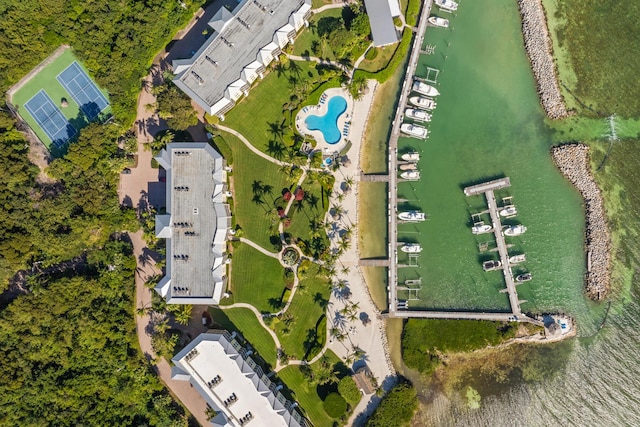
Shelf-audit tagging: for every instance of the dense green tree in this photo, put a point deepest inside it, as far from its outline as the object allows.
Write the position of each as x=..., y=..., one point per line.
x=396, y=408
x=175, y=107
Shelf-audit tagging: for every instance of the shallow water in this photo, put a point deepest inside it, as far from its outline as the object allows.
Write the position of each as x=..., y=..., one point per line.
x=489, y=123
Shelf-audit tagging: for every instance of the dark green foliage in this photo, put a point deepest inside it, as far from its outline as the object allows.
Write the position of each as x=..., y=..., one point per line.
x=396, y=408
x=397, y=58
x=360, y=25
x=411, y=14
x=423, y=339
x=115, y=40
x=175, y=107
x=70, y=353
x=334, y=405
x=349, y=390
x=601, y=38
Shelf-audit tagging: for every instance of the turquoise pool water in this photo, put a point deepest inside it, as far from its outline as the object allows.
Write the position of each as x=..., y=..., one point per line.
x=328, y=123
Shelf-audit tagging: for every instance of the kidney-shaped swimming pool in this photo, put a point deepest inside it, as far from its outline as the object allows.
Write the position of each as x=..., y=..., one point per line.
x=328, y=123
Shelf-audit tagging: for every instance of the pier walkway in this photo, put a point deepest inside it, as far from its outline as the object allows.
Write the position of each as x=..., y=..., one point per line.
x=459, y=315
x=393, y=151
x=487, y=188
x=372, y=177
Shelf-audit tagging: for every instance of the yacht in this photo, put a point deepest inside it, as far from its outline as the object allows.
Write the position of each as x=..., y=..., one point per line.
x=436, y=21
x=416, y=114
x=448, y=5
x=480, y=228
x=412, y=175
x=491, y=265
x=412, y=157
x=515, y=230
x=425, y=89
x=424, y=103
x=411, y=248
x=413, y=216
x=414, y=130
x=508, y=211
x=524, y=277
x=517, y=259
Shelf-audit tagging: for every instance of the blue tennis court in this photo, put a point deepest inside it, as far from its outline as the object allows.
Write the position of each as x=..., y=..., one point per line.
x=50, y=118
x=83, y=90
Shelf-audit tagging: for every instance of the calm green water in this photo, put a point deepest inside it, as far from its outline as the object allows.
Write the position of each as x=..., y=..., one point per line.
x=488, y=124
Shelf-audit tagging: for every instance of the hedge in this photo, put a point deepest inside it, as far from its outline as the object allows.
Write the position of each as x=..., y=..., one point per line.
x=349, y=390
x=396, y=408
x=334, y=405
x=395, y=61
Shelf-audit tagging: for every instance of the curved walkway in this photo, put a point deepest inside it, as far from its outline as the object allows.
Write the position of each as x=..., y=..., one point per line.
x=330, y=6
x=319, y=61
x=259, y=248
x=251, y=146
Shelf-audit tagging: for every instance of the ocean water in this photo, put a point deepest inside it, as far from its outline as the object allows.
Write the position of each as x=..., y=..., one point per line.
x=489, y=124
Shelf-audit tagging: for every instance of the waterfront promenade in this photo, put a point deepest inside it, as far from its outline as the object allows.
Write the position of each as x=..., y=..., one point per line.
x=393, y=152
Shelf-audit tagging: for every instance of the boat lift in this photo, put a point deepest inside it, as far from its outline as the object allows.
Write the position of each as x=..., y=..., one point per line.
x=432, y=75
x=507, y=202
x=412, y=286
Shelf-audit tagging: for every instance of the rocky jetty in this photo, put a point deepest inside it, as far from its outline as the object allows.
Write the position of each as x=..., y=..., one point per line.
x=573, y=162
x=539, y=49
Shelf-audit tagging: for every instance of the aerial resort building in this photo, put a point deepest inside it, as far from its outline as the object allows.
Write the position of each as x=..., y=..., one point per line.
x=232, y=384
x=245, y=41
x=195, y=225
x=381, y=14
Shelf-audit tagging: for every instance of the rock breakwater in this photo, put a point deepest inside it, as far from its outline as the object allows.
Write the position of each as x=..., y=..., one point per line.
x=573, y=162
x=539, y=49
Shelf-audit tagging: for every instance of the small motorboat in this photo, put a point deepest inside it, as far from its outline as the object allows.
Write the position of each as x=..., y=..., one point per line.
x=412, y=175
x=480, y=228
x=424, y=103
x=412, y=157
x=425, y=89
x=524, y=277
x=416, y=114
x=436, y=21
x=517, y=259
x=414, y=130
x=408, y=167
x=508, y=211
x=448, y=5
x=491, y=265
x=412, y=216
x=411, y=248
x=515, y=230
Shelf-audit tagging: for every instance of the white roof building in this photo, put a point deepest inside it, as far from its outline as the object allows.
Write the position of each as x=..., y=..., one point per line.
x=255, y=31
x=381, y=13
x=195, y=225
x=232, y=384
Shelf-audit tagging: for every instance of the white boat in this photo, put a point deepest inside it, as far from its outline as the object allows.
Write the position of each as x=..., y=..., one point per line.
x=480, y=228
x=436, y=21
x=411, y=157
x=516, y=259
x=524, y=277
x=515, y=230
x=414, y=216
x=408, y=167
x=413, y=175
x=414, y=130
x=508, y=211
x=449, y=5
x=425, y=89
x=411, y=248
x=416, y=114
x=491, y=265
x=424, y=103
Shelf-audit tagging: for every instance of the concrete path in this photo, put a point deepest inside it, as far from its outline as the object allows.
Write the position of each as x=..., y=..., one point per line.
x=180, y=389
x=330, y=6
x=250, y=146
x=319, y=61
x=259, y=248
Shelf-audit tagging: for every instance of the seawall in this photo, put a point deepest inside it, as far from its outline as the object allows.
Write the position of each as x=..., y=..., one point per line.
x=573, y=162
x=538, y=44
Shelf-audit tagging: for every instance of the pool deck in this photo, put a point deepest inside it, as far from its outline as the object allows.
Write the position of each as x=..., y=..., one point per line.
x=320, y=110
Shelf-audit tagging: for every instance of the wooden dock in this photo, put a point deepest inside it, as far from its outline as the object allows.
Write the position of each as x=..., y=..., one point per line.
x=496, y=184
x=371, y=177
x=374, y=262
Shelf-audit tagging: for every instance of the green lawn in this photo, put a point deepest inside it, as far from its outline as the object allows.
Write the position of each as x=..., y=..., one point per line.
x=251, y=170
x=262, y=116
x=308, y=331
x=256, y=279
x=306, y=393
x=382, y=57
x=307, y=214
x=46, y=79
x=245, y=321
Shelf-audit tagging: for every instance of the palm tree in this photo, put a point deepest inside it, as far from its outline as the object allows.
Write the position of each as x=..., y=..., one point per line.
x=256, y=187
x=358, y=86
x=277, y=130
x=183, y=314
x=338, y=211
x=275, y=149
x=294, y=68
